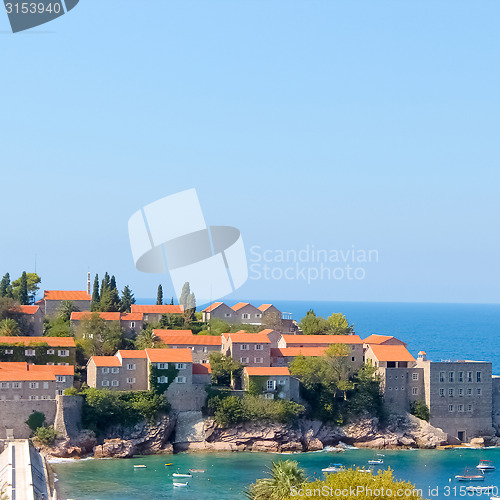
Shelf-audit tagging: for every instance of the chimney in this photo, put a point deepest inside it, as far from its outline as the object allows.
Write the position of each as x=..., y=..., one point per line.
x=88, y=283
x=422, y=356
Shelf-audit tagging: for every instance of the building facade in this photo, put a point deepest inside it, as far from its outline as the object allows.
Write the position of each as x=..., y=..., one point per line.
x=39, y=350
x=271, y=383
x=201, y=346
x=53, y=299
x=250, y=349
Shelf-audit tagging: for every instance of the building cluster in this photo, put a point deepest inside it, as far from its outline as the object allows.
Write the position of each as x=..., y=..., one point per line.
x=463, y=397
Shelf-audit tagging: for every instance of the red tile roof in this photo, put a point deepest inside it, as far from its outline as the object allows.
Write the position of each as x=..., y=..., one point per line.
x=132, y=317
x=172, y=338
x=380, y=339
x=391, y=353
x=296, y=351
x=267, y=370
x=201, y=369
x=213, y=306
x=292, y=340
x=24, y=372
x=29, y=309
x=264, y=307
x=51, y=341
x=65, y=295
x=169, y=355
x=239, y=305
x=107, y=316
x=154, y=309
x=128, y=354
x=169, y=331
x=248, y=338
x=105, y=361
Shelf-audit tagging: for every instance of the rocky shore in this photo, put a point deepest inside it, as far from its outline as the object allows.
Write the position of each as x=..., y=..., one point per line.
x=401, y=432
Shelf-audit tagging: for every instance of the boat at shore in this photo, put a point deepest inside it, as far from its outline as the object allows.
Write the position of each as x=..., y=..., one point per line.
x=179, y=474
x=469, y=476
x=140, y=466
x=180, y=485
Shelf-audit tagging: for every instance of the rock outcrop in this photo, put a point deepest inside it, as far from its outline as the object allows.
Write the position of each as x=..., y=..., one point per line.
x=76, y=447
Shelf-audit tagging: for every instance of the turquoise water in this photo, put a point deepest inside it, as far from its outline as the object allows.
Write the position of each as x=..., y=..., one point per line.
x=227, y=474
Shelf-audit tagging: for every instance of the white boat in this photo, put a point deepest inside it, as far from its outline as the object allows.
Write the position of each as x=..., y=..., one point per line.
x=139, y=467
x=485, y=465
x=196, y=470
x=178, y=474
x=333, y=468
x=180, y=485
x=379, y=461
x=468, y=476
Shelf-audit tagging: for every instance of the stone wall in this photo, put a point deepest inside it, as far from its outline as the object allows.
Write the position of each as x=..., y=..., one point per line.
x=13, y=415
x=68, y=416
x=496, y=403
x=186, y=397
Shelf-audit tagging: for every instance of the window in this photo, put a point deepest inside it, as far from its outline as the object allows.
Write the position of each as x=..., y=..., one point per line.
x=450, y=392
x=50, y=364
x=9, y=351
x=271, y=385
x=115, y=383
x=258, y=360
x=62, y=364
x=245, y=316
x=244, y=347
x=180, y=366
x=258, y=347
x=192, y=348
x=4, y=385
x=441, y=392
x=460, y=408
x=115, y=370
x=269, y=395
x=258, y=315
x=105, y=370
x=244, y=360
x=450, y=408
x=414, y=391
x=395, y=388
x=469, y=376
x=45, y=397
x=50, y=351
x=63, y=352
x=29, y=352
x=162, y=366
x=227, y=315
x=162, y=380
x=479, y=392
x=180, y=380
x=460, y=392
x=105, y=383
x=469, y=392
x=45, y=385
x=353, y=359
x=460, y=377
x=146, y=317
x=204, y=361
x=205, y=349
x=33, y=397
x=131, y=366
x=132, y=324
x=451, y=377
x=33, y=385
x=17, y=385
x=130, y=380
x=469, y=407
x=59, y=392
x=60, y=378
x=478, y=377
x=441, y=376
x=282, y=381
x=414, y=376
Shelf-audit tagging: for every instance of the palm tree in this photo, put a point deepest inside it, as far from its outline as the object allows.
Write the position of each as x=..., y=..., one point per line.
x=66, y=308
x=8, y=327
x=147, y=339
x=283, y=475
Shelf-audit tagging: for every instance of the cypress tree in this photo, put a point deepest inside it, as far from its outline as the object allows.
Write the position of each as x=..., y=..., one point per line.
x=96, y=299
x=105, y=301
x=172, y=301
x=114, y=296
x=127, y=299
x=5, y=286
x=23, y=289
x=159, y=296
x=184, y=295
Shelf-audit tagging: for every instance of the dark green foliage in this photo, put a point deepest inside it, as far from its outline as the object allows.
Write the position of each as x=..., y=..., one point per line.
x=35, y=420
x=45, y=435
x=183, y=299
x=96, y=298
x=65, y=309
x=99, y=337
x=224, y=369
x=172, y=322
x=154, y=372
x=5, y=286
x=21, y=292
x=159, y=296
x=40, y=358
x=110, y=300
x=147, y=339
x=9, y=327
x=420, y=410
x=103, y=408
x=335, y=324
x=127, y=300
x=57, y=327
x=24, y=289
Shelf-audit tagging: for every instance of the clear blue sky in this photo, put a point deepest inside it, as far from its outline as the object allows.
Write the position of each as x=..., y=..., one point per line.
x=322, y=122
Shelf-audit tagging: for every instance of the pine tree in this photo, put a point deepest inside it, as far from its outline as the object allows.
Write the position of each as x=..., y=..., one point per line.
x=114, y=296
x=172, y=301
x=105, y=301
x=23, y=289
x=127, y=299
x=184, y=295
x=96, y=299
x=5, y=286
x=159, y=296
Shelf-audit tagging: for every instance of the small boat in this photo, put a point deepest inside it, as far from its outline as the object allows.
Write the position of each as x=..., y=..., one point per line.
x=333, y=468
x=468, y=476
x=180, y=485
x=485, y=465
x=139, y=467
x=376, y=462
x=178, y=474
x=196, y=470
x=168, y=465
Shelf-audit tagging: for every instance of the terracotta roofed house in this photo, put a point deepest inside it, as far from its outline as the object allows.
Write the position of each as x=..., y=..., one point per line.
x=39, y=350
x=52, y=300
x=251, y=349
x=33, y=319
x=200, y=345
x=247, y=313
x=283, y=356
x=382, y=340
x=131, y=323
x=271, y=382
x=153, y=313
x=218, y=310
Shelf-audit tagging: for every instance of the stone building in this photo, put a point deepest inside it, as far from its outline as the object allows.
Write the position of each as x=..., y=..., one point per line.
x=33, y=320
x=250, y=349
x=39, y=350
x=271, y=382
x=22, y=381
x=52, y=300
x=247, y=313
x=130, y=323
x=153, y=313
x=283, y=356
x=218, y=310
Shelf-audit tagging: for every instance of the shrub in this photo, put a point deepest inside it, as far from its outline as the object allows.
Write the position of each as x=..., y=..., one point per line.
x=71, y=391
x=45, y=435
x=35, y=420
x=420, y=410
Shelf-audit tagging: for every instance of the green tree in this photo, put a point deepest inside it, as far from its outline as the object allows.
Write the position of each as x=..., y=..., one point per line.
x=283, y=477
x=159, y=296
x=127, y=300
x=186, y=290
x=5, y=286
x=9, y=308
x=9, y=327
x=57, y=327
x=66, y=308
x=338, y=325
x=113, y=298
x=148, y=340
x=96, y=298
x=45, y=435
x=27, y=287
x=35, y=420
x=99, y=337
x=224, y=368
x=420, y=410
x=312, y=324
